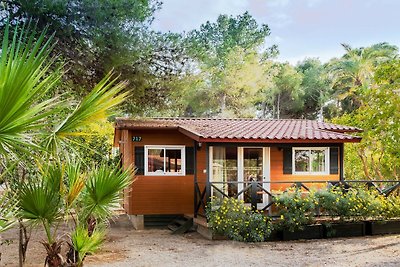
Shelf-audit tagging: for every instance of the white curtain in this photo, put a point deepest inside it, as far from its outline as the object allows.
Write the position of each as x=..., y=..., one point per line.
x=219, y=169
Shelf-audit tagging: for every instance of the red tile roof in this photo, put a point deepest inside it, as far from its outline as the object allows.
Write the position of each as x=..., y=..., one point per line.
x=240, y=130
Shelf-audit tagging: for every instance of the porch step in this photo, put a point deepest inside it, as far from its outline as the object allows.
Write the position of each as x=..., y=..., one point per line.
x=203, y=229
x=181, y=225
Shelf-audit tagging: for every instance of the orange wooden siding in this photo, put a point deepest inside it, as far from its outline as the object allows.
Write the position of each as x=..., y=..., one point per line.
x=276, y=157
x=175, y=194
x=161, y=194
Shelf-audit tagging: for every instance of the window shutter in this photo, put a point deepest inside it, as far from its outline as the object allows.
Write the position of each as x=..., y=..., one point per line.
x=139, y=160
x=287, y=161
x=333, y=160
x=189, y=160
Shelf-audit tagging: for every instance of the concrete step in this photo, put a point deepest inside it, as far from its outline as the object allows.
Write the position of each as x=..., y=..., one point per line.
x=121, y=221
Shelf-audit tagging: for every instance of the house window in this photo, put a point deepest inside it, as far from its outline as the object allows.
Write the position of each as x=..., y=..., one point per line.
x=310, y=160
x=164, y=160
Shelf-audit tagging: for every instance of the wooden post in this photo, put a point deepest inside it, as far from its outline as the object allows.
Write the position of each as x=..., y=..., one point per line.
x=254, y=195
x=208, y=184
x=195, y=144
x=126, y=149
x=341, y=160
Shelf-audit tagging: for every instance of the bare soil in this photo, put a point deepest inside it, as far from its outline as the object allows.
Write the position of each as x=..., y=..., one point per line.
x=157, y=247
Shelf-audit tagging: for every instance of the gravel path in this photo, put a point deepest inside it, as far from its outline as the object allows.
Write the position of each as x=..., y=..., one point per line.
x=157, y=247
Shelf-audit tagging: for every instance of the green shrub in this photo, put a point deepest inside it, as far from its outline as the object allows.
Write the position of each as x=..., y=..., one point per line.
x=232, y=218
x=353, y=204
x=392, y=208
x=296, y=209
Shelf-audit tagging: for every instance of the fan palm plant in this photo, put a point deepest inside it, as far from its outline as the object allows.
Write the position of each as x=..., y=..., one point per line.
x=33, y=124
x=64, y=192
x=24, y=80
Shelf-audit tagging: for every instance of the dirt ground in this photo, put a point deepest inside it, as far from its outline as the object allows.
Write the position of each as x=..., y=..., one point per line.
x=157, y=247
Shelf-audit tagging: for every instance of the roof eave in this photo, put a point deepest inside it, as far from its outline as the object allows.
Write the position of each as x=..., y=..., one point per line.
x=276, y=141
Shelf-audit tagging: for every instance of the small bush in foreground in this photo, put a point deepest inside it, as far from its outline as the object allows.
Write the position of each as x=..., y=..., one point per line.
x=232, y=218
x=296, y=209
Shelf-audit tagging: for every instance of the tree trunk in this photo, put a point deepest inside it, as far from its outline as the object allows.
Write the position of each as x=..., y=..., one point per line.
x=53, y=258
x=223, y=103
x=278, y=107
x=362, y=156
x=24, y=238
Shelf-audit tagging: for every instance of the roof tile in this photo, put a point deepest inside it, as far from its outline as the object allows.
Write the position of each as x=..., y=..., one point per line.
x=248, y=129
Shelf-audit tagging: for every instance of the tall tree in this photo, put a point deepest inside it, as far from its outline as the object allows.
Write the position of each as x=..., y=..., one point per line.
x=284, y=98
x=316, y=87
x=94, y=37
x=353, y=73
x=377, y=156
x=223, y=53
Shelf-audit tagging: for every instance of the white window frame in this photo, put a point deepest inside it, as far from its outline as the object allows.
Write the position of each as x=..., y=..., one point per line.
x=146, y=159
x=327, y=166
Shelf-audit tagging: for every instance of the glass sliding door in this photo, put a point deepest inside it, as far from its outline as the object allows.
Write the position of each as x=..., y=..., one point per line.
x=240, y=165
x=253, y=170
x=224, y=169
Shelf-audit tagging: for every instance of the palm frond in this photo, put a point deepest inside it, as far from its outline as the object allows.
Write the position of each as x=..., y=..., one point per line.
x=84, y=244
x=76, y=183
x=24, y=80
x=38, y=202
x=103, y=191
x=97, y=105
x=8, y=210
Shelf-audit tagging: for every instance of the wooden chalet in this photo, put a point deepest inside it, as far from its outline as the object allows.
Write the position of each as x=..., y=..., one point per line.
x=181, y=162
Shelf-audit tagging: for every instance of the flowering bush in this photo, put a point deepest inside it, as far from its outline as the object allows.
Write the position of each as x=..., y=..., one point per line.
x=392, y=207
x=355, y=203
x=232, y=218
x=296, y=209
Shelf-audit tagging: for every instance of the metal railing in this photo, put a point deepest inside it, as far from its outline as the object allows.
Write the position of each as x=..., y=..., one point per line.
x=254, y=189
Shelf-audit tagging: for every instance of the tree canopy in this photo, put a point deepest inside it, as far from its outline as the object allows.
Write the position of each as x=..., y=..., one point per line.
x=224, y=68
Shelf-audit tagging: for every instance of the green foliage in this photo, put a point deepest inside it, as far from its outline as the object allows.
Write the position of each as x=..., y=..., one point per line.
x=50, y=194
x=38, y=202
x=316, y=87
x=284, y=98
x=377, y=156
x=62, y=191
x=94, y=37
x=8, y=210
x=85, y=244
x=97, y=105
x=231, y=70
x=232, y=218
x=24, y=80
x=213, y=41
x=296, y=209
x=357, y=204
x=353, y=73
x=102, y=191
x=392, y=207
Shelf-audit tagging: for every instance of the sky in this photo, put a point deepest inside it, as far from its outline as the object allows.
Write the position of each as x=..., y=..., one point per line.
x=300, y=28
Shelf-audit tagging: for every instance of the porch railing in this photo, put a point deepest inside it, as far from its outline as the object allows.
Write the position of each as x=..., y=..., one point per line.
x=254, y=189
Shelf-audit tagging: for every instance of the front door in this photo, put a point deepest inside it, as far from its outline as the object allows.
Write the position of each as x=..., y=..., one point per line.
x=252, y=171
x=234, y=168
x=254, y=167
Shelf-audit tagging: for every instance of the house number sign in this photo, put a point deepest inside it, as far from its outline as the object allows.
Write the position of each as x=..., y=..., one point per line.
x=136, y=138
